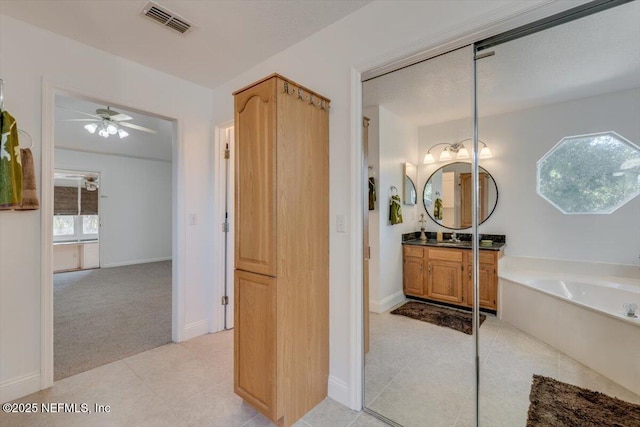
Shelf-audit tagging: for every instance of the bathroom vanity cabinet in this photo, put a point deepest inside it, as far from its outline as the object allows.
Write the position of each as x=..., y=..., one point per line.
x=445, y=275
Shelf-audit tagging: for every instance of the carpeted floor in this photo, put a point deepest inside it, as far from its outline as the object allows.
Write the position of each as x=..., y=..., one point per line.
x=105, y=315
x=558, y=404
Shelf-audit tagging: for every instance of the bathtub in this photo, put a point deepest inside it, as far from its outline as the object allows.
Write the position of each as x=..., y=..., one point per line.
x=577, y=308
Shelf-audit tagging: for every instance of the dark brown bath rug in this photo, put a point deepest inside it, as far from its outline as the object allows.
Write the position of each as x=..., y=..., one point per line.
x=558, y=404
x=441, y=316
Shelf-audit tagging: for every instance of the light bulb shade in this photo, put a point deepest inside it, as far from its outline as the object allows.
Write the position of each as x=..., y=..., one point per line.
x=462, y=154
x=103, y=133
x=112, y=129
x=91, y=127
x=485, y=153
x=428, y=159
x=123, y=133
x=445, y=156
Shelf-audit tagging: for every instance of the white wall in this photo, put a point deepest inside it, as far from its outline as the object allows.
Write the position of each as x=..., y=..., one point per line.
x=29, y=54
x=135, y=205
x=325, y=62
x=534, y=228
x=397, y=144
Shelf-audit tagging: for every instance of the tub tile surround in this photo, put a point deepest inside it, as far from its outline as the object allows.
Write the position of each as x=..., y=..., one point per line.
x=627, y=273
x=608, y=343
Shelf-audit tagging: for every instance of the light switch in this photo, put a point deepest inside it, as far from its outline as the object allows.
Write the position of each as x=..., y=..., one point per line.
x=193, y=219
x=340, y=226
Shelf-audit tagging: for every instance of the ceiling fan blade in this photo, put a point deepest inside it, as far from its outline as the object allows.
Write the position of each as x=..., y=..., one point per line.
x=120, y=117
x=136, y=127
x=79, y=112
x=81, y=120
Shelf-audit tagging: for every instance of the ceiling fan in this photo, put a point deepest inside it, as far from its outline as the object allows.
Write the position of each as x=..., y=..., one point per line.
x=91, y=183
x=90, y=180
x=108, y=122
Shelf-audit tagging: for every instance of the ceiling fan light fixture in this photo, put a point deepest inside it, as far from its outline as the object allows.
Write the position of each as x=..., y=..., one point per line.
x=108, y=122
x=112, y=129
x=103, y=133
x=91, y=127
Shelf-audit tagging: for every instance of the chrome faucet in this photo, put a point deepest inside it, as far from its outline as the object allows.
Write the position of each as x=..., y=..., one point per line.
x=454, y=238
x=630, y=309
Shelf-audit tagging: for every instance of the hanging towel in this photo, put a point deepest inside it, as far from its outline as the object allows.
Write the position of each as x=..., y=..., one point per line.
x=437, y=208
x=372, y=193
x=10, y=163
x=395, y=210
x=29, y=193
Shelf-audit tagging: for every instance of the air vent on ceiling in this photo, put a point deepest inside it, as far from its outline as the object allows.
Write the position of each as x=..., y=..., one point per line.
x=167, y=18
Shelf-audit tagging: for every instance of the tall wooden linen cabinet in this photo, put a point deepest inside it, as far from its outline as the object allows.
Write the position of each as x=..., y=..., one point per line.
x=281, y=354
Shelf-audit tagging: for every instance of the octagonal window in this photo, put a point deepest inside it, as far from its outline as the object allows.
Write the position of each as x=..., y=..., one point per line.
x=590, y=174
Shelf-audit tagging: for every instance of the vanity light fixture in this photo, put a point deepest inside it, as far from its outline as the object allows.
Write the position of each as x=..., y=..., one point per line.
x=457, y=151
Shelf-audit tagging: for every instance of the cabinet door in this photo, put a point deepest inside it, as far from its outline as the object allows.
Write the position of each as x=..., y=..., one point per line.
x=465, y=198
x=255, y=177
x=255, y=341
x=444, y=281
x=413, y=276
x=488, y=291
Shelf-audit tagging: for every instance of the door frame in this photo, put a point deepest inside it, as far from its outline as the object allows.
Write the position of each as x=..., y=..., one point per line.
x=217, y=317
x=178, y=239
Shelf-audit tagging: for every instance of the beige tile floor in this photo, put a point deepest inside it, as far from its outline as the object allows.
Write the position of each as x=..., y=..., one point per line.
x=175, y=385
x=419, y=374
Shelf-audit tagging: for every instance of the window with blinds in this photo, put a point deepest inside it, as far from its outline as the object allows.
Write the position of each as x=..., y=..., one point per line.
x=75, y=214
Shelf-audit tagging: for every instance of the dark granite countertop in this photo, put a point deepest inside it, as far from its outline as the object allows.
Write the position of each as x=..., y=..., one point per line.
x=499, y=240
x=496, y=246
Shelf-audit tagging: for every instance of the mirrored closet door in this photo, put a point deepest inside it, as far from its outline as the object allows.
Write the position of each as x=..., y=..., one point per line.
x=419, y=367
x=560, y=109
x=556, y=110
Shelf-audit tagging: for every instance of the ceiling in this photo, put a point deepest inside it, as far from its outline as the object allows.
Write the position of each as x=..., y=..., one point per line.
x=230, y=35
x=72, y=135
x=587, y=57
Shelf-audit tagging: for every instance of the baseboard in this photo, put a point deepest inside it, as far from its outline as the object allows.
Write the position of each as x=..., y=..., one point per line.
x=338, y=390
x=386, y=303
x=195, y=329
x=19, y=387
x=141, y=261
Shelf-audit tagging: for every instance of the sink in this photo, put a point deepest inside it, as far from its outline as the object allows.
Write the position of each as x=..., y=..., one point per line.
x=455, y=244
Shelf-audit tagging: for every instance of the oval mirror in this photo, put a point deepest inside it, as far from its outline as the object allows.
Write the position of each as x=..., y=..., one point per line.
x=411, y=196
x=409, y=192
x=447, y=195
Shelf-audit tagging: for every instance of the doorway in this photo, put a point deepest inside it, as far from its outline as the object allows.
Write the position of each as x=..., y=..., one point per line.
x=128, y=304
x=224, y=203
